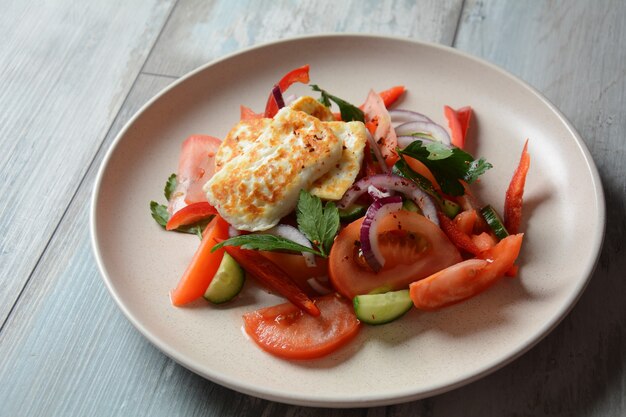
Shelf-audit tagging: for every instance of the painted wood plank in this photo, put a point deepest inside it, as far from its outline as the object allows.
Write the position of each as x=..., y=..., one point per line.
x=84, y=358
x=201, y=31
x=65, y=69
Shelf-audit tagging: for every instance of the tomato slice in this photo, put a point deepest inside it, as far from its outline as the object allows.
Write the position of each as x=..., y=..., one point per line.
x=458, y=121
x=286, y=331
x=413, y=247
x=466, y=279
x=377, y=119
x=196, y=166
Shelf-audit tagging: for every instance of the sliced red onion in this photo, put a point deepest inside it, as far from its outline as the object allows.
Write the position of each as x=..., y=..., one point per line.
x=291, y=233
x=404, y=141
x=369, y=229
x=278, y=96
x=318, y=287
x=391, y=182
x=374, y=147
x=399, y=116
x=377, y=194
x=433, y=129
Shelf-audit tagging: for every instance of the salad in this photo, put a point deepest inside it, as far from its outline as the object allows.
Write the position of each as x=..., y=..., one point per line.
x=353, y=216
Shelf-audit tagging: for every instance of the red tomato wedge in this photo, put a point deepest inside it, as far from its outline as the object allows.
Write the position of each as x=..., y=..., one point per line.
x=190, y=214
x=273, y=276
x=286, y=331
x=468, y=278
x=296, y=75
x=413, y=248
x=515, y=194
x=196, y=166
x=458, y=121
x=203, y=265
x=378, y=122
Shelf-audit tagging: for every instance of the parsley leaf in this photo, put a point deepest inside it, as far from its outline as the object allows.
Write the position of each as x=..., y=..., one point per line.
x=170, y=186
x=319, y=224
x=448, y=165
x=349, y=112
x=264, y=242
x=159, y=213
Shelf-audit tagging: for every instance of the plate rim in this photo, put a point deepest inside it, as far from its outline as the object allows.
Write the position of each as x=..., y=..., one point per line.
x=372, y=399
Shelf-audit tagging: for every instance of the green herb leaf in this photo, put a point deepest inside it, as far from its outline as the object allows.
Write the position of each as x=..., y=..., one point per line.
x=170, y=186
x=159, y=213
x=449, y=166
x=264, y=242
x=349, y=112
x=403, y=169
x=319, y=225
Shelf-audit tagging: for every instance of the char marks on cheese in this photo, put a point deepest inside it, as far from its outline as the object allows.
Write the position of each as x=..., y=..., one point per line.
x=259, y=179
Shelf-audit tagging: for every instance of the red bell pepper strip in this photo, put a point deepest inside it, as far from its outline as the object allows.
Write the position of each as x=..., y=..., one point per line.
x=391, y=95
x=190, y=214
x=203, y=265
x=458, y=121
x=515, y=193
x=456, y=236
x=296, y=75
x=273, y=276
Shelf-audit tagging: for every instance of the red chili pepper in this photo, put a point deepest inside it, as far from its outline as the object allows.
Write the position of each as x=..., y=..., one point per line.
x=458, y=121
x=270, y=274
x=460, y=239
x=515, y=193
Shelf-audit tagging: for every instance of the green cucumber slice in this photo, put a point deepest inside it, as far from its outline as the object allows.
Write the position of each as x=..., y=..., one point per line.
x=351, y=213
x=227, y=282
x=382, y=308
x=409, y=205
x=450, y=208
x=494, y=221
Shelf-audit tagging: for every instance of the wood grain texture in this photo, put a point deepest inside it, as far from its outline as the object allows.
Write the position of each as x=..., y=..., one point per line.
x=201, y=31
x=67, y=350
x=65, y=69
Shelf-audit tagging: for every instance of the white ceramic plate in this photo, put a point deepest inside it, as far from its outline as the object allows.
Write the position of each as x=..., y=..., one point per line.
x=423, y=353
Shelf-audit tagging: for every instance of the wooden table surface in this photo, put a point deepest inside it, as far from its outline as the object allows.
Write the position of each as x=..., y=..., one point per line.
x=72, y=73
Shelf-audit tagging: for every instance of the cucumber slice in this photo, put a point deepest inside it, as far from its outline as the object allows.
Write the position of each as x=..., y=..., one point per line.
x=227, y=282
x=494, y=221
x=450, y=208
x=382, y=308
x=351, y=213
x=409, y=205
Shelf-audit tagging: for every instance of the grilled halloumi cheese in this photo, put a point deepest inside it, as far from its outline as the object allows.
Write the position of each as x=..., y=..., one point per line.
x=334, y=184
x=340, y=177
x=261, y=181
x=313, y=107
